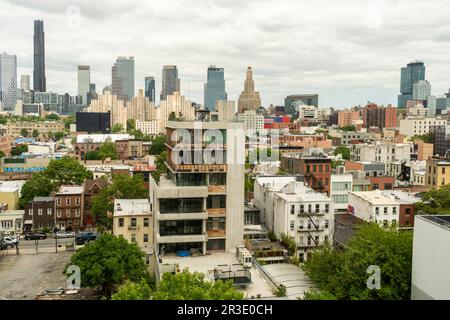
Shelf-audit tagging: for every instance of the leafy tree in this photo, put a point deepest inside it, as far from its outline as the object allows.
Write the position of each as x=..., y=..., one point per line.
x=68, y=121
x=24, y=132
x=19, y=149
x=318, y=295
x=35, y=133
x=131, y=125
x=343, y=273
x=133, y=291
x=427, y=138
x=249, y=183
x=160, y=166
x=289, y=243
x=108, y=262
x=122, y=187
x=58, y=135
x=193, y=286
x=67, y=171
x=52, y=116
x=348, y=128
x=158, y=146
x=435, y=201
x=3, y=120
x=344, y=151
x=108, y=150
x=117, y=128
x=40, y=185
x=336, y=163
x=172, y=116
x=92, y=155
x=2, y=154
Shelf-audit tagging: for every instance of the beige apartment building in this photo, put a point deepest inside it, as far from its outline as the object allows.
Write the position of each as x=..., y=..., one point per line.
x=109, y=102
x=174, y=103
x=14, y=128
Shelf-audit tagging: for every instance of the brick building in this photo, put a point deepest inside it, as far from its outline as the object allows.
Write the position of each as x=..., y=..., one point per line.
x=69, y=206
x=39, y=213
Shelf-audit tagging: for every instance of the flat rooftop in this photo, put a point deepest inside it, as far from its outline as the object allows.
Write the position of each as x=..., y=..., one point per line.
x=70, y=190
x=442, y=220
x=131, y=207
x=206, y=264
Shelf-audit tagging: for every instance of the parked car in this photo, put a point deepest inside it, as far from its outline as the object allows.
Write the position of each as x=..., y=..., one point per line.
x=64, y=234
x=35, y=236
x=83, y=237
x=11, y=241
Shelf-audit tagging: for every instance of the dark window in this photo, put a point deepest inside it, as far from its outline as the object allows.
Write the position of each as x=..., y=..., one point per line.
x=120, y=222
x=146, y=222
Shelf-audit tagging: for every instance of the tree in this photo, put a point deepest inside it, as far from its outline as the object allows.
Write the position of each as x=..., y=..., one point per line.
x=39, y=185
x=344, y=151
x=52, y=116
x=348, y=128
x=435, y=201
x=19, y=149
x=67, y=171
x=58, y=135
x=122, y=187
x=427, y=138
x=2, y=154
x=158, y=146
x=160, y=166
x=172, y=116
x=68, y=121
x=193, y=286
x=289, y=243
x=133, y=291
x=318, y=295
x=117, y=128
x=24, y=132
x=131, y=125
x=108, y=262
x=35, y=133
x=343, y=274
x=92, y=155
x=108, y=150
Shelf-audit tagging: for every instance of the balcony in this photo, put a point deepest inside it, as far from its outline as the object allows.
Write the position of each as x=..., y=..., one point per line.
x=217, y=189
x=181, y=238
x=314, y=213
x=219, y=233
x=182, y=216
x=217, y=212
x=311, y=229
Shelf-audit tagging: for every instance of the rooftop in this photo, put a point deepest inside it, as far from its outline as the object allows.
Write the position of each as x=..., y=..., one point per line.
x=70, y=190
x=442, y=220
x=297, y=191
x=402, y=197
x=100, y=138
x=130, y=207
x=42, y=199
x=375, y=197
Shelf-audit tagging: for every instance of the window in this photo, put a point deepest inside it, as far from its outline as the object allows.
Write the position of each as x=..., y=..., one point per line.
x=327, y=208
x=77, y=212
x=320, y=168
x=300, y=226
x=145, y=237
x=301, y=240
x=40, y=212
x=133, y=222
x=309, y=208
x=309, y=225
x=146, y=220
x=394, y=221
x=385, y=210
x=325, y=238
x=327, y=168
x=443, y=170
x=326, y=224
x=314, y=168
x=30, y=212
x=133, y=238
x=377, y=210
x=292, y=209
x=77, y=201
x=58, y=201
x=292, y=224
x=302, y=208
x=394, y=210
x=58, y=213
x=120, y=222
x=68, y=213
x=67, y=201
x=317, y=208
x=49, y=211
x=407, y=211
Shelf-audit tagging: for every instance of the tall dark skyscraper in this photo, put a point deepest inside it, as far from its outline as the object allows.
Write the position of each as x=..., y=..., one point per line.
x=39, y=82
x=170, y=81
x=413, y=73
x=123, y=78
x=214, y=89
x=150, y=88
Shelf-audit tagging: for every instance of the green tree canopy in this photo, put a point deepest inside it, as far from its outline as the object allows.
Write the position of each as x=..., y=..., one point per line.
x=193, y=286
x=108, y=150
x=67, y=171
x=158, y=146
x=160, y=166
x=109, y=261
x=52, y=116
x=436, y=201
x=344, y=151
x=2, y=154
x=58, y=135
x=92, y=155
x=343, y=274
x=348, y=128
x=122, y=187
x=19, y=149
x=24, y=132
x=133, y=291
x=172, y=116
x=35, y=133
x=40, y=185
x=427, y=138
x=117, y=128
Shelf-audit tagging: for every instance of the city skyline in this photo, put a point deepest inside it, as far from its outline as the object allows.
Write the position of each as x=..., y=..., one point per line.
x=344, y=71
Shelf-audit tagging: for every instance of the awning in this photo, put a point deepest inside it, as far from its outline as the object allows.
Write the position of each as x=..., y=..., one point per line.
x=28, y=222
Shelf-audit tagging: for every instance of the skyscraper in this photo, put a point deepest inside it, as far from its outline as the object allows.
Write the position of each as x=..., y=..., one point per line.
x=8, y=82
x=123, y=78
x=150, y=88
x=170, y=81
x=214, y=89
x=249, y=98
x=39, y=81
x=413, y=73
x=84, y=81
x=25, y=82
x=421, y=90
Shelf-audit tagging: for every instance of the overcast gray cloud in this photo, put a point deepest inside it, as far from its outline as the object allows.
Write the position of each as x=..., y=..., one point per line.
x=348, y=51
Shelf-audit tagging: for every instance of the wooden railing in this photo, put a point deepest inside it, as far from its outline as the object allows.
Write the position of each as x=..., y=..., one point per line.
x=216, y=212
x=216, y=233
x=213, y=189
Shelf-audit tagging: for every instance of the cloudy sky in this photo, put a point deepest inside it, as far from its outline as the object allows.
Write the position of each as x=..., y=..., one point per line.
x=348, y=51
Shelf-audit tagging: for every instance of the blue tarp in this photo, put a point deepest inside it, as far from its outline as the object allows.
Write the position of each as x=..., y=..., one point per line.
x=183, y=253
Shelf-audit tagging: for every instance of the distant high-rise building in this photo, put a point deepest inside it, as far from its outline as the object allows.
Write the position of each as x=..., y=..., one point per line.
x=413, y=73
x=39, y=81
x=123, y=78
x=214, y=89
x=25, y=82
x=84, y=82
x=421, y=90
x=170, y=81
x=8, y=82
x=292, y=102
x=249, y=98
x=150, y=88
x=379, y=117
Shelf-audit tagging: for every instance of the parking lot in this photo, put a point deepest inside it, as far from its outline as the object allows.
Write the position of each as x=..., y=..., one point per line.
x=46, y=245
x=27, y=275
